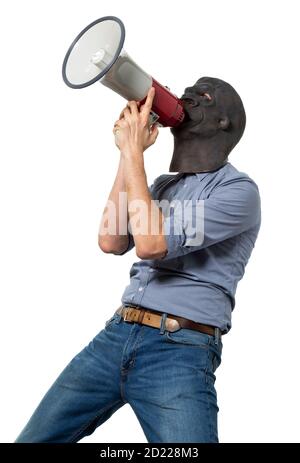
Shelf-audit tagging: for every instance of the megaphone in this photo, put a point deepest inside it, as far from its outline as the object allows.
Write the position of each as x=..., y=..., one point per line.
x=97, y=54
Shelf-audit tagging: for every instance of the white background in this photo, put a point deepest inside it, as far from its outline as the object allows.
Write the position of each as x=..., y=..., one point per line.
x=58, y=161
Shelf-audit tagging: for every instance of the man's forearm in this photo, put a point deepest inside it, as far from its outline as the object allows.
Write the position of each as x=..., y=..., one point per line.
x=147, y=231
x=133, y=136
x=115, y=241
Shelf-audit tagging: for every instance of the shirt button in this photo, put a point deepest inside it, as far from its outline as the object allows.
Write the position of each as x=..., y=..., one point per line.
x=141, y=288
x=151, y=270
x=184, y=186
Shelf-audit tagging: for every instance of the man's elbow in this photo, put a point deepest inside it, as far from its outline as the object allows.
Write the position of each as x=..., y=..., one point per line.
x=146, y=253
x=104, y=246
x=109, y=248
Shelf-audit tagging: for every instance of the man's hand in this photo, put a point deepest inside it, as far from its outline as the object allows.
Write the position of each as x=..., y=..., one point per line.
x=132, y=131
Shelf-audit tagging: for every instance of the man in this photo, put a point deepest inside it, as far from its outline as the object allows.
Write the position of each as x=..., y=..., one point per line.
x=159, y=351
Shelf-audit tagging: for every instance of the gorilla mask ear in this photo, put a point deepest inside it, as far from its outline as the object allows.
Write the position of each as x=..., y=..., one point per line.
x=224, y=123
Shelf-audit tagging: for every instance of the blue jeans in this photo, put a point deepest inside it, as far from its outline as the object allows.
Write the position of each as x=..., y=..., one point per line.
x=166, y=377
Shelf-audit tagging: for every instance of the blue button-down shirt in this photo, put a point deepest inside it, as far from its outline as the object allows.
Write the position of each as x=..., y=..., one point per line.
x=197, y=279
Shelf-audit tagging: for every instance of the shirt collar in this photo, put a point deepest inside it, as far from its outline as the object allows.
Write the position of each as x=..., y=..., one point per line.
x=202, y=175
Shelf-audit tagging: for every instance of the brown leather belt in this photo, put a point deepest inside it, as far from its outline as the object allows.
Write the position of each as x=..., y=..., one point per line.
x=152, y=318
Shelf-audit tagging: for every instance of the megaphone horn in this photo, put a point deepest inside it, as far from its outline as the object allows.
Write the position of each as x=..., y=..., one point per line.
x=97, y=54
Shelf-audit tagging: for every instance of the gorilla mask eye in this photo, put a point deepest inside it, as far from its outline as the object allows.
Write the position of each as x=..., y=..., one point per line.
x=206, y=96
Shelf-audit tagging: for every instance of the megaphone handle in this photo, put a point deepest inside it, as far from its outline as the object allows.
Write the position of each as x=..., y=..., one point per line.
x=153, y=117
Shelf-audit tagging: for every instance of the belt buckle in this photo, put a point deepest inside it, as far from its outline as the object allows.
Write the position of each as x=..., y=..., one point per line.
x=172, y=325
x=126, y=314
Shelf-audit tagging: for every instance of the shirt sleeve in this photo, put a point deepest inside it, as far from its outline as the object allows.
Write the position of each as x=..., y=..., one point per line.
x=230, y=210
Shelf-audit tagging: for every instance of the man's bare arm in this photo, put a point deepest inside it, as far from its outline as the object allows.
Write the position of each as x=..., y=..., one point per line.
x=115, y=243
x=151, y=243
x=133, y=136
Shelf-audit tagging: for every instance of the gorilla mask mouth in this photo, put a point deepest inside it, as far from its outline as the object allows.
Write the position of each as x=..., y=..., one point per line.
x=188, y=101
x=192, y=110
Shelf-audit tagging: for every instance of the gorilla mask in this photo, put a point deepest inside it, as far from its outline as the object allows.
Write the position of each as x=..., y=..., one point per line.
x=214, y=123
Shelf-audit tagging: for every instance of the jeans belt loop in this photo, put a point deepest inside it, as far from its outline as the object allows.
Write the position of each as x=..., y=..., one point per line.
x=217, y=335
x=162, y=323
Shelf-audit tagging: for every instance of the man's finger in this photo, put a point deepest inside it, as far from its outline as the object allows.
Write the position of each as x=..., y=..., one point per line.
x=132, y=105
x=154, y=133
x=127, y=113
x=148, y=103
x=122, y=112
x=119, y=121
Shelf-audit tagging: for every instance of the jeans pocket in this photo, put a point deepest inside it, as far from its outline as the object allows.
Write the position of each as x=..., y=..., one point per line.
x=185, y=336
x=111, y=320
